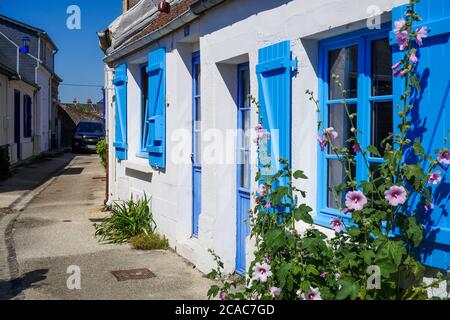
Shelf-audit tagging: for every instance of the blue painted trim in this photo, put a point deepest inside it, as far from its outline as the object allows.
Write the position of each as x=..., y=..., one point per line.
x=196, y=169
x=363, y=39
x=241, y=193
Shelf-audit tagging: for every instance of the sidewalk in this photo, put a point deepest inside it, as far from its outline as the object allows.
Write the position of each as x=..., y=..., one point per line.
x=29, y=176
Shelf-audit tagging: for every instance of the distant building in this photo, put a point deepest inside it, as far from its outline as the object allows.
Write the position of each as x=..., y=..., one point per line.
x=29, y=89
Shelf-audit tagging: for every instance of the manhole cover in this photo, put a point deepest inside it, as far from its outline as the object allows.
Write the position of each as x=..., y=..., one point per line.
x=136, y=274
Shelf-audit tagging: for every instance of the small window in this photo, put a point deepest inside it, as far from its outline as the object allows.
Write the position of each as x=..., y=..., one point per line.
x=27, y=116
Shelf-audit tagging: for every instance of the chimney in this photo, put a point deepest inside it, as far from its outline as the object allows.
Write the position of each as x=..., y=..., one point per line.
x=128, y=4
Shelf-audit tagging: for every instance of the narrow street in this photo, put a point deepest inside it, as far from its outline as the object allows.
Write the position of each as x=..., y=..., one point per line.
x=55, y=234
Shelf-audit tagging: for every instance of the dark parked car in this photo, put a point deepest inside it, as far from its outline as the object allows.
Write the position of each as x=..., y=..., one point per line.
x=86, y=136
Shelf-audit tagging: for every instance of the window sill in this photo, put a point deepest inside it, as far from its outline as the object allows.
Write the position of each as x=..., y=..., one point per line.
x=138, y=167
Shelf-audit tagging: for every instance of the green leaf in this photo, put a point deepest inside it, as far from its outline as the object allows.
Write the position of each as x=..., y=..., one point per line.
x=414, y=231
x=349, y=289
x=418, y=149
x=300, y=175
x=302, y=214
x=374, y=151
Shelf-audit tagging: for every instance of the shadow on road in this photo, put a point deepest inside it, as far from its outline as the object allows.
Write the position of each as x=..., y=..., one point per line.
x=11, y=289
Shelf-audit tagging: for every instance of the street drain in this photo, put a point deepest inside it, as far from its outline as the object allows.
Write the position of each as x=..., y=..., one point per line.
x=135, y=274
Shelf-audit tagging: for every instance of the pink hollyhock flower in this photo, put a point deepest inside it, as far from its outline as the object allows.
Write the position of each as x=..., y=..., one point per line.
x=398, y=25
x=323, y=142
x=262, y=272
x=357, y=148
x=396, y=66
x=330, y=132
x=223, y=295
x=428, y=207
x=355, y=200
x=444, y=157
x=337, y=276
x=435, y=178
x=267, y=259
x=268, y=205
x=421, y=33
x=404, y=72
x=324, y=274
x=395, y=196
x=403, y=40
x=259, y=128
x=275, y=292
x=337, y=225
x=413, y=58
x=262, y=190
x=313, y=294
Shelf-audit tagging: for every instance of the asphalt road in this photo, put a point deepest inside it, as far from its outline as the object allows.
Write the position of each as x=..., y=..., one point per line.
x=59, y=258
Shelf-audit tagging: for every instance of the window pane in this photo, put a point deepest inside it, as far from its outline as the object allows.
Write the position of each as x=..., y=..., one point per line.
x=343, y=63
x=198, y=109
x=381, y=68
x=198, y=147
x=336, y=176
x=144, y=97
x=382, y=124
x=245, y=89
x=198, y=78
x=244, y=170
x=338, y=119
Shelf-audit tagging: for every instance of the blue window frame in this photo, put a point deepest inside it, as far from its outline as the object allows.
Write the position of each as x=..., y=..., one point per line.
x=363, y=61
x=144, y=104
x=196, y=143
x=27, y=116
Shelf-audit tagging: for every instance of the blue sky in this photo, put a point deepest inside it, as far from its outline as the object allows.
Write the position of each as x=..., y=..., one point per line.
x=79, y=60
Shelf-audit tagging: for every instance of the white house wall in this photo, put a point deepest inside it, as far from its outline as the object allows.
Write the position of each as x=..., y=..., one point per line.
x=43, y=129
x=227, y=35
x=4, y=111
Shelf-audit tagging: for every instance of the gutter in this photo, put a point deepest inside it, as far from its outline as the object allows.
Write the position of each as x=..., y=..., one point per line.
x=193, y=13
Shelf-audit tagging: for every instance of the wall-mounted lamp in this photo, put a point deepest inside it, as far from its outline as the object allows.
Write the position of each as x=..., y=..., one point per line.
x=25, y=48
x=164, y=6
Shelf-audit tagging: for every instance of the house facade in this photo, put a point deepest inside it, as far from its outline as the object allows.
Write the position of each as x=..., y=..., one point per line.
x=29, y=111
x=180, y=121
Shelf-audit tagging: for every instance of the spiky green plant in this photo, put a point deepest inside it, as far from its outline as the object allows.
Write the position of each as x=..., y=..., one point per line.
x=128, y=219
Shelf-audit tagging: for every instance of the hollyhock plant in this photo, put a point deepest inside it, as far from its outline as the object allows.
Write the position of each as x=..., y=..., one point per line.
x=328, y=134
x=324, y=275
x=396, y=196
x=262, y=272
x=421, y=33
x=399, y=25
x=435, y=178
x=313, y=294
x=337, y=225
x=413, y=58
x=275, y=292
x=262, y=189
x=444, y=157
x=428, y=207
x=403, y=40
x=223, y=295
x=355, y=200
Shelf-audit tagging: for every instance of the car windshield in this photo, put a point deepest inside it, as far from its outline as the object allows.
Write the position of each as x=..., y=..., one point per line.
x=90, y=127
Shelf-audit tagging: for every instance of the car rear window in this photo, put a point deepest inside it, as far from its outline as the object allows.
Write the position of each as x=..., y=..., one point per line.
x=90, y=127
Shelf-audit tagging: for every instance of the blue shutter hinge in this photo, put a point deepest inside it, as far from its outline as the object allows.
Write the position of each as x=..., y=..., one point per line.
x=294, y=65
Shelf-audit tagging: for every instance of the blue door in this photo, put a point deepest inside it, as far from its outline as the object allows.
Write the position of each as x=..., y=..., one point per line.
x=17, y=123
x=243, y=167
x=196, y=143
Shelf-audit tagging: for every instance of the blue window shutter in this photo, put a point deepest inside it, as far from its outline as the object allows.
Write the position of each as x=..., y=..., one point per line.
x=274, y=72
x=27, y=116
x=155, y=143
x=120, y=87
x=430, y=119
